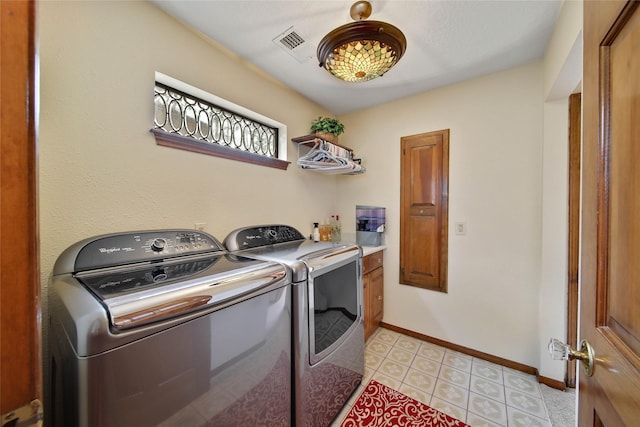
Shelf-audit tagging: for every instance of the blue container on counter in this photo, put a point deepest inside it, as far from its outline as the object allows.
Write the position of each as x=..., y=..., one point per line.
x=370, y=224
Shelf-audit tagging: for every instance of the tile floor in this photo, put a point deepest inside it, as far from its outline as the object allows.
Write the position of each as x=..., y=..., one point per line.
x=470, y=389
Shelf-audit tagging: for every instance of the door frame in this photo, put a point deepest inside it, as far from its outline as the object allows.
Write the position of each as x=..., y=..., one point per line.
x=573, y=264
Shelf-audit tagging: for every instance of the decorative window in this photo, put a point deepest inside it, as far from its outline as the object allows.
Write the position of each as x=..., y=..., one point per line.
x=191, y=119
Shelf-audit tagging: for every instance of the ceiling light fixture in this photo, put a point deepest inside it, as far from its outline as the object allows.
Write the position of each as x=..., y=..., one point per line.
x=361, y=50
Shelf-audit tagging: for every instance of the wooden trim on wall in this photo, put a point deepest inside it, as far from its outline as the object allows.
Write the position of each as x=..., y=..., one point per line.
x=550, y=382
x=478, y=354
x=20, y=370
x=189, y=144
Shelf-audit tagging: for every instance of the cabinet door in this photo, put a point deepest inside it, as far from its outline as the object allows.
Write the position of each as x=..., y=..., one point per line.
x=424, y=216
x=376, y=289
x=367, y=300
x=375, y=261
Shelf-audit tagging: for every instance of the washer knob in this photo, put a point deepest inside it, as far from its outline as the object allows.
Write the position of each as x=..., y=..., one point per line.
x=158, y=245
x=159, y=275
x=271, y=234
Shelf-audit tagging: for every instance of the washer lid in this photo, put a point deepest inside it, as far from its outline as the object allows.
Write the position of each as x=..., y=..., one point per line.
x=115, y=282
x=150, y=293
x=149, y=276
x=285, y=244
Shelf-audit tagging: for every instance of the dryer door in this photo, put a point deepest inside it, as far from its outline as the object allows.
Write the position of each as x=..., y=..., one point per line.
x=335, y=305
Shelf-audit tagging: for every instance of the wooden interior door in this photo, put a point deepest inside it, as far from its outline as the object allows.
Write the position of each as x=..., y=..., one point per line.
x=424, y=207
x=610, y=275
x=20, y=372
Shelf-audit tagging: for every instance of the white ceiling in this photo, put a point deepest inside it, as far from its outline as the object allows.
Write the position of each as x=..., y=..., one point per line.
x=447, y=41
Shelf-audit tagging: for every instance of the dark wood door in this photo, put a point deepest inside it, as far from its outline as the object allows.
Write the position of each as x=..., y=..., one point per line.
x=19, y=290
x=610, y=260
x=424, y=202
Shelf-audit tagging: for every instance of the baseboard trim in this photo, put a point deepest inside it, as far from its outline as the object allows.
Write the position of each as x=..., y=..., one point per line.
x=559, y=385
x=480, y=355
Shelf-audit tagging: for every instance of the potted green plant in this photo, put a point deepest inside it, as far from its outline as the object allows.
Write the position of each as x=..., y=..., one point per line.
x=327, y=128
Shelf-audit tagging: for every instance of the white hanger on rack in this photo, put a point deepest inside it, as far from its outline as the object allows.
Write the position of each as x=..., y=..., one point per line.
x=330, y=159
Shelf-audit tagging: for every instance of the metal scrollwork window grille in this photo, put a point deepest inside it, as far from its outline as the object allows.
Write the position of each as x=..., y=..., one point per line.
x=179, y=113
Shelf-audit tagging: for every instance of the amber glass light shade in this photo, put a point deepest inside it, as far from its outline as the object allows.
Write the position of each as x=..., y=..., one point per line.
x=362, y=50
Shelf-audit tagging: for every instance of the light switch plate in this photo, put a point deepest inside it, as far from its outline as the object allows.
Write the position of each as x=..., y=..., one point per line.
x=461, y=228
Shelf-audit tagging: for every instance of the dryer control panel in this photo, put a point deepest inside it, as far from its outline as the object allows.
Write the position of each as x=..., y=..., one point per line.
x=264, y=235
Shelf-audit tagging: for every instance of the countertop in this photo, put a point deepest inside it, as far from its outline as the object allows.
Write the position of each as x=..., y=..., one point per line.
x=368, y=250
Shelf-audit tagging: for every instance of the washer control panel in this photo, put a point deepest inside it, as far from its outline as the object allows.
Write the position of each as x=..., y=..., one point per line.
x=127, y=248
x=264, y=235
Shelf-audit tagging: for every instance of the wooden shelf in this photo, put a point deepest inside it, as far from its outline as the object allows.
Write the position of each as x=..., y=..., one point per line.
x=313, y=139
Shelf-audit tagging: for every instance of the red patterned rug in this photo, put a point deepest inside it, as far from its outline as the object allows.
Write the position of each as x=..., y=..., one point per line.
x=379, y=405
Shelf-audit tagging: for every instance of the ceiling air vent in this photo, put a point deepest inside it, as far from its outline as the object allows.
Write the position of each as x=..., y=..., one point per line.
x=292, y=42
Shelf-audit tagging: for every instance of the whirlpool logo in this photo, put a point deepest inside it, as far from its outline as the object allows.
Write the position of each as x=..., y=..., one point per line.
x=109, y=250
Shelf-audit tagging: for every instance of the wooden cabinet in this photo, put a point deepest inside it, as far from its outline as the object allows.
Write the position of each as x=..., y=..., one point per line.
x=373, y=300
x=424, y=217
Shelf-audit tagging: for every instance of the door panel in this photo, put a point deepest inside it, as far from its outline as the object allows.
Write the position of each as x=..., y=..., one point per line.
x=421, y=264
x=624, y=182
x=424, y=164
x=610, y=274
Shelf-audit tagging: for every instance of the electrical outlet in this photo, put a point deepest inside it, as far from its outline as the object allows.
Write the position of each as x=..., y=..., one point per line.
x=461, y=228
x=200, y=226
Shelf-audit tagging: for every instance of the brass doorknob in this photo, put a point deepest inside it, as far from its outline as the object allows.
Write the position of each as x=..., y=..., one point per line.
x=562, y=351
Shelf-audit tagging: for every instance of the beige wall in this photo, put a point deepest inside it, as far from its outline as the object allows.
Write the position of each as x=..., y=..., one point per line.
x=496, y=127
x=554, y=268
x=508, y=177
x=100, y=168
x=563, y=58
x=101, y=171
x=563, y=74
